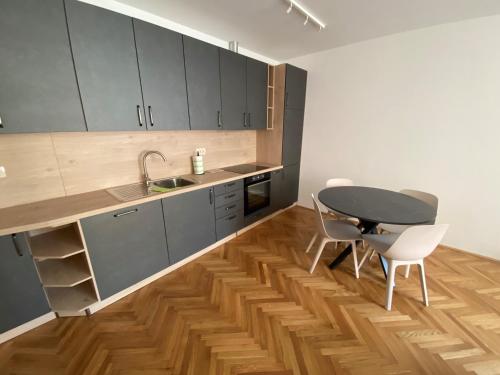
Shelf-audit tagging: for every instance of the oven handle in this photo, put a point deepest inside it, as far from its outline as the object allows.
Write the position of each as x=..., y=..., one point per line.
x=259, y=183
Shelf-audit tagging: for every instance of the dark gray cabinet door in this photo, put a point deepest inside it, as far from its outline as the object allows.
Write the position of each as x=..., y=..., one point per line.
x=293, y=124
x=277, y=201
x=295, y=87
x=21, y=292
x=203, y=84
x=106, y=67
x=233, y=89
x=161, y=63
x=189, y=222
x=256, y=94
x=38, y=89
x=290, y=185
x=126, y=246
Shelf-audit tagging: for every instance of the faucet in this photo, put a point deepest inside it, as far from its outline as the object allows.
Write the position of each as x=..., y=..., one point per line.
x=147, y=179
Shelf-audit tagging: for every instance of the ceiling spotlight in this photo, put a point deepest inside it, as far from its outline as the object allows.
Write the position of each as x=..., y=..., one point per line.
x=289, y=8
x=294, y=4
x=307, y=20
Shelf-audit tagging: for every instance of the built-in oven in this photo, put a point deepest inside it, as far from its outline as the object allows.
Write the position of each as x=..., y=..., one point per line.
x=257, y=193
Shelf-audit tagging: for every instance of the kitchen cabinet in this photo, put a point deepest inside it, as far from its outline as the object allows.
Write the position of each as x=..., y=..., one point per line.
x=290, y=185
x=21, y=292
x=203, y=84
x=295, y=88
x=126, y=246
x=233, y=89
x=256, y=94
x=229, y=208
x=163, y=76
x=277, y=202
x=189, y=222
x=39, y=92
x=106, y=67
x=293, y=124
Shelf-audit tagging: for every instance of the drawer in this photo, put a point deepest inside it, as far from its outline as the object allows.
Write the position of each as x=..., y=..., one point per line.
x=227, y=198
x=228, y=187
x=229, y=209
x=229, y=225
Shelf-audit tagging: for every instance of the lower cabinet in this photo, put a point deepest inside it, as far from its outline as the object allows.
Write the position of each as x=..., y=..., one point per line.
x=126, y=246
x=229, y=206
x=21, y=293
x=284, y=187
x=189, y=222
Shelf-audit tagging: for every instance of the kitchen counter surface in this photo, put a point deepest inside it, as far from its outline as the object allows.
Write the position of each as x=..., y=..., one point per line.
x=63, y=210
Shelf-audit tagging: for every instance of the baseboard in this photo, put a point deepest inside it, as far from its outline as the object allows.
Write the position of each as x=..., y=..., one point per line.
x=19, y=330
x=470, y=253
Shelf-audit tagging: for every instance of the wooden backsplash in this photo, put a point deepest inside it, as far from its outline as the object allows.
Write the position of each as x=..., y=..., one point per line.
x=43, y=166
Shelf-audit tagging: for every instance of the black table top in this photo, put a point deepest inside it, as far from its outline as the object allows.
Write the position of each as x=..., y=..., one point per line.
x=377, y=205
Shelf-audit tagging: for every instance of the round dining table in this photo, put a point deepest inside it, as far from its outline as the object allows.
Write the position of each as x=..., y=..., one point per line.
x=373, y=206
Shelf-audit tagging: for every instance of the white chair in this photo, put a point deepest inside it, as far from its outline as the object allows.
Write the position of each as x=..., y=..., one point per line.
x=409, y=247
x=336, y=182
x=333, y=231
x=428, y=198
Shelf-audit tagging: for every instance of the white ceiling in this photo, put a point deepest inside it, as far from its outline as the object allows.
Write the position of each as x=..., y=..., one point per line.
x=264, y=27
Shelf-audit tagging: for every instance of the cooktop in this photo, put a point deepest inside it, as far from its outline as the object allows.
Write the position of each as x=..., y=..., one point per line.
x=244, y=168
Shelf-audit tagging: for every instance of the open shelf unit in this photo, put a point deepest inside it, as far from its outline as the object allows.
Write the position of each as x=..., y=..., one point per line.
x=270, y=97
x=64, y=268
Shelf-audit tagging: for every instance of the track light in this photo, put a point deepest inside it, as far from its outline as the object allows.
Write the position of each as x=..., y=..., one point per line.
x=305, y=12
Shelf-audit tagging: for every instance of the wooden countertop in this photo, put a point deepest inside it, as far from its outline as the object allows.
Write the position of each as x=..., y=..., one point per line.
x=60, y=211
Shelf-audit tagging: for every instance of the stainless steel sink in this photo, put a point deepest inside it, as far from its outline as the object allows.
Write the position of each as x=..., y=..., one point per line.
x=173, y=183
x=132, y=192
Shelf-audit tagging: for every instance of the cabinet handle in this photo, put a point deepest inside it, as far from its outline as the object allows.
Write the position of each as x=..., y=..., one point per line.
x=230, y=196
x=249, y=121
x=126, y=212
x=150, y=110
x=231, y=218
x=230, y=207
x=219, y=119
x=244, y=119
x=16, y=245
x=1, y=123
x=211, y=196
x=139, y=115
x=231, y=184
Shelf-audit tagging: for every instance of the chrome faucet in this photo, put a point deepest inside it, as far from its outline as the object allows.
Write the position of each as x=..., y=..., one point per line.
x=147, y=179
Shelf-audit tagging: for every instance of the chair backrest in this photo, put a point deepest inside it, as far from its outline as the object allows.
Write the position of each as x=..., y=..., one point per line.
x=334, y=182
x=320, y=225
x=428, y=198
x=417, y=242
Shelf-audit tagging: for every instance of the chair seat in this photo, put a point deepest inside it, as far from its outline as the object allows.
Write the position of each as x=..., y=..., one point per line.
x=342, y=230
x=381, y=242
x=392, y=228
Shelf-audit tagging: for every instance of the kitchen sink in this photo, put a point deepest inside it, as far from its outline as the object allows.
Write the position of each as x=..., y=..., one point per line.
x=173, y=183
x=132, y=192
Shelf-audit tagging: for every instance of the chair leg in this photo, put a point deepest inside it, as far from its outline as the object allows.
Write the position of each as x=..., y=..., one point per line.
x=407, y=271
x=318, y=254
x=423, y=284
x=390, y=284
x=368, y=253
x=312, y=242
x=355, y=257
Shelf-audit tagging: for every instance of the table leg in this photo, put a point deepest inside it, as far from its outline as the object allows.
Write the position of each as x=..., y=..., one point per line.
x=366, y=227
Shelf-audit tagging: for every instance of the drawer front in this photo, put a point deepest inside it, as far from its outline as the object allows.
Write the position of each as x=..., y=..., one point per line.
x=229, y=209
x=229, y=225
x=228, y=187
x=227, y=198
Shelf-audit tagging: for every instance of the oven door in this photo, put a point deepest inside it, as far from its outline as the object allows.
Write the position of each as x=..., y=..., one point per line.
x=257, y=196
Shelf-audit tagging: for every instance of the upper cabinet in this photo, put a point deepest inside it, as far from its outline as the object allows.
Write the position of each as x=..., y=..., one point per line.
x=106, y=67
x=243, y=91
x=233, y=89
x=163, y=76
x=38, y=88
x=295, y=88
x=256, y=94
x=203, y=84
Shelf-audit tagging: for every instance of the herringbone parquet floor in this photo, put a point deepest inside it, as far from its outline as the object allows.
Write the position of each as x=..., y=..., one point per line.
x=250, y=307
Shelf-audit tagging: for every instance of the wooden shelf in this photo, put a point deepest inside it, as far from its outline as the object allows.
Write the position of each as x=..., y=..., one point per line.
x=57, y=244
x=58, y=273
x=74, y=299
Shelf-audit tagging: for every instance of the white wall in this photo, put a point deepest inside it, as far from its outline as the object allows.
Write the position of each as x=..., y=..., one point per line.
x=131, y=11
x=416, y=110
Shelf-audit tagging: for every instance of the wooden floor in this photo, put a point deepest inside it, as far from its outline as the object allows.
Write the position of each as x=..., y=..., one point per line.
x=250, y=307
